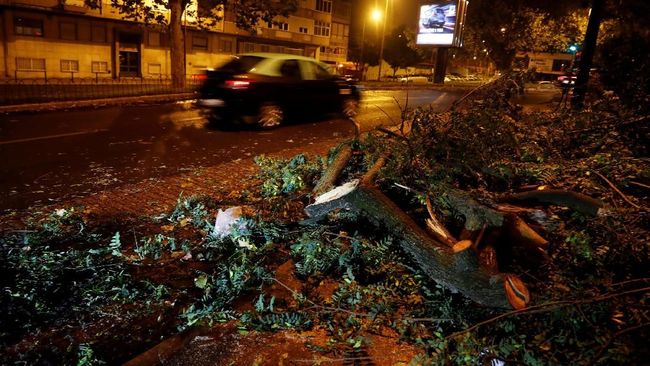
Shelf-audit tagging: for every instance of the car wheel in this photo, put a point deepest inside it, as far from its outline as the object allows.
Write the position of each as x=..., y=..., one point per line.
x=350, y=108
x=270, y=115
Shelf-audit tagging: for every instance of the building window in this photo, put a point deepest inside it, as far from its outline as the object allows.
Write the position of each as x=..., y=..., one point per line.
x=98, y=33
x=199, y=43
x=69, y=66
x=68, y=30
x=264, y=48
x=248, y=47
x=155, y=69
x=154, y=39
x=280, y=26
x=225, y=45
x=99, y=67
x=28, y=27
x=324, y=5
x=30, y=64
x=303, y=30
x=322, y=28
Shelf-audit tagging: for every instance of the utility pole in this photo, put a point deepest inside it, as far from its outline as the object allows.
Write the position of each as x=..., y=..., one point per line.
x=588, y=51
x=383, y=36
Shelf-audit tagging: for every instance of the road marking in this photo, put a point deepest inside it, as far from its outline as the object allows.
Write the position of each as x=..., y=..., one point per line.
x=51, y=137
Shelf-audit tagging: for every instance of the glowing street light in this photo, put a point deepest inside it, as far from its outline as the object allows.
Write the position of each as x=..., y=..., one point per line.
x=375, y=16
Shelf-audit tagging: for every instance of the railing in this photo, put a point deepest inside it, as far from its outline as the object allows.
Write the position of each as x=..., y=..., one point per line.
x=42, y=90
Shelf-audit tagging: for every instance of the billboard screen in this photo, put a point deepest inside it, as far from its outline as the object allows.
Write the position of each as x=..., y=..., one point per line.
x=440, y=23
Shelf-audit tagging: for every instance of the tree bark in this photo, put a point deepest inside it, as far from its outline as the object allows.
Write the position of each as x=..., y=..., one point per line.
x=177, y=47
x=576, y=201
x=333, y=171
x=459, y=272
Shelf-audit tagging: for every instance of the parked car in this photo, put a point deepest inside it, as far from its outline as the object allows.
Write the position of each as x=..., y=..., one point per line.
x=263, y=88
x=414, y=80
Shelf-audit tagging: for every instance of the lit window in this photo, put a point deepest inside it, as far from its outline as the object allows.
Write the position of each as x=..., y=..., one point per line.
x=69, y=66
x=28, y=27
x=99, y=67
x=322, y=28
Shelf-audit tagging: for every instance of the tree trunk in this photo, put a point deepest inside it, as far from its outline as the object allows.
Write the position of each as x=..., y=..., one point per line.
x=177, y=47
x=459, y=272
x=588, y=51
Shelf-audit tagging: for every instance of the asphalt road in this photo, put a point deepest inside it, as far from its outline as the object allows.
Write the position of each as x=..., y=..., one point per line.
x=49, y=157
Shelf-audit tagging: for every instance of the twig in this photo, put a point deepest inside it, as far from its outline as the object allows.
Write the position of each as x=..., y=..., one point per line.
x=619, y=192
x=644, y=279
x=387, y=115
x=547, y=307
x=604, y=347
x=391, y=133
x=639, y=184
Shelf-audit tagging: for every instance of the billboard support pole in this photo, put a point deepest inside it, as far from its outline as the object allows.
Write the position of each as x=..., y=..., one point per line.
x=441, y=65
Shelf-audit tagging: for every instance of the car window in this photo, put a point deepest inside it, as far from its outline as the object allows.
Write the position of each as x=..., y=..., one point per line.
x=241, y=64
x=290, y=69
x=314, y=71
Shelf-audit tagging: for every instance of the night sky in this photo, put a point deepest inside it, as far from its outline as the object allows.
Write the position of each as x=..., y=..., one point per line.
x=403, y=12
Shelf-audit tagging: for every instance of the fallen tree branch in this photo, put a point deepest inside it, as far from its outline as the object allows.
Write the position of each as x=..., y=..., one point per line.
x=370, y=175
x=613, y=187
x=574, y=200
x=333, y=171
x=459, y=272
x=640, y=185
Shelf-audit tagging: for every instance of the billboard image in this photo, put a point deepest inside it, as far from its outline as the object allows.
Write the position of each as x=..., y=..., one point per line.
x=438, y=23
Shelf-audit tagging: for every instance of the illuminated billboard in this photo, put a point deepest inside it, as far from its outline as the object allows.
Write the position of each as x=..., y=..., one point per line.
x=441, y=23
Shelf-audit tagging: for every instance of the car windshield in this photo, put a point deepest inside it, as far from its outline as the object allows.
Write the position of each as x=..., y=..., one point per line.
x=241, y=64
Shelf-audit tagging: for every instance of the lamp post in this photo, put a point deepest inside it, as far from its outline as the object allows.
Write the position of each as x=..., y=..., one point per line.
x=381, y=48
x=375, y=15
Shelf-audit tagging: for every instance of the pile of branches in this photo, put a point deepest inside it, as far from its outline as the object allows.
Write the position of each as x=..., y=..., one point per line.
x=512, y=210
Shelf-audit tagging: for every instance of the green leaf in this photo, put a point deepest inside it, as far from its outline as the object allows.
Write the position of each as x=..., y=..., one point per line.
x=201, y=281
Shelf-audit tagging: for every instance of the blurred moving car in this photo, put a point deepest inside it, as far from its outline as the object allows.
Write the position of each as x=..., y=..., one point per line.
x=263, y=88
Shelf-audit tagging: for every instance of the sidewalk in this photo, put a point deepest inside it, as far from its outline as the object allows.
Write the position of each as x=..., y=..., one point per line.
x=94, y=103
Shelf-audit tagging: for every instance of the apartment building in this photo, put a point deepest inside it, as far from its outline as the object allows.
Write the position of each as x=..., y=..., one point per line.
x=67, y=39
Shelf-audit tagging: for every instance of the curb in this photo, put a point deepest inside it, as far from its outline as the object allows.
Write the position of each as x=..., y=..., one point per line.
x=94, y=103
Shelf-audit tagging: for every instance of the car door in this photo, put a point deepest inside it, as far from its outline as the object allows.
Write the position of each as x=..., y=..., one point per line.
x=320, y=86
x=291, y=89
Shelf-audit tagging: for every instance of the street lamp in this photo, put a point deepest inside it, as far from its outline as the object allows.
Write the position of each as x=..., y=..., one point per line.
x=375, y=16
x=381, y=48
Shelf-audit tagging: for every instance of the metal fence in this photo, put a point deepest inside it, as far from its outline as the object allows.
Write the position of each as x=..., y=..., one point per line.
x=42, y=90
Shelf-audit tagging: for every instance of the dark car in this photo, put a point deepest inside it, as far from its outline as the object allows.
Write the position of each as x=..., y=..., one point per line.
x=263, y=88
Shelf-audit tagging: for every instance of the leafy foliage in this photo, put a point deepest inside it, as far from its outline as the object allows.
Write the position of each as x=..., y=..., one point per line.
x=282, y=177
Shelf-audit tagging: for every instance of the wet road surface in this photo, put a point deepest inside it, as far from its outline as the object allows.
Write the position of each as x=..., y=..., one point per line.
x=48, y=157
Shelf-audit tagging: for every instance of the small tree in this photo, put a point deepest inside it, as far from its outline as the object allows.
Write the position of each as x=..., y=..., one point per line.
x=400, y=50
x=247, y=15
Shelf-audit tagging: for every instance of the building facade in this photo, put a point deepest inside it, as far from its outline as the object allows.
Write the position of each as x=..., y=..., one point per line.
x=66, y=39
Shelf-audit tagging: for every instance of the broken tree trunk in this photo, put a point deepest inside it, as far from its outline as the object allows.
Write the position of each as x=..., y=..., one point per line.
x=459, y=272
x=333, y=171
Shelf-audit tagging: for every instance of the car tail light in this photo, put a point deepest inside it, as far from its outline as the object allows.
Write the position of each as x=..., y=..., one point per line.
x=237, y=84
